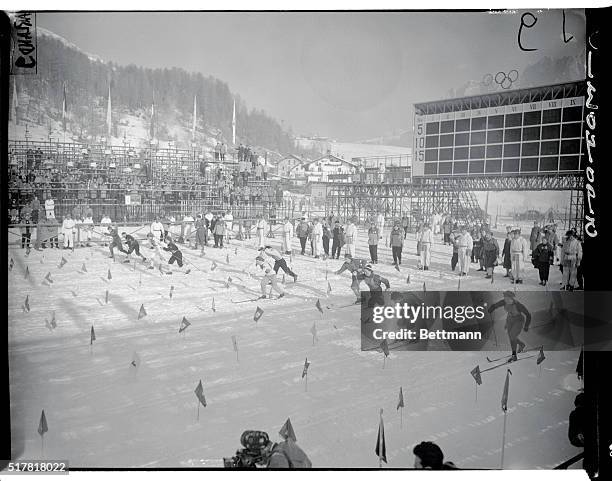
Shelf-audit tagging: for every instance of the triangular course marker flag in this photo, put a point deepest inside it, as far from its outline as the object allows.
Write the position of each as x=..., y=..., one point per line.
x=408, y=279
x=213, y=305
x=48, y=278
x=63, y=262
x=26, y=304
x=287, y=431
x=171, y=289
x=385, y=347
x=135, y=360
x=53, y=321
x=306, y=365
x=42, y=424
x=213, y=266
x=258, y=313
x=504, y=400
x=11, y=264
x=541, y=356
x=318, y=304
x=141, y=312
x=83, y=268
x=476, y=375
x=424, y=287
x=109, y=276
x=92, y=336
x=199, y=392
x=106, y=297
x=400, y=402
x=184, y=324
x=381, y=448
x=27, y=272
x=329, y=289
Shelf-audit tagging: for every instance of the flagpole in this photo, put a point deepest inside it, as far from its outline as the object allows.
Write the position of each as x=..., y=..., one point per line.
x=503, y=440
x=401, y=418
x=306, y=385
x=42, y=445
x=476, y=394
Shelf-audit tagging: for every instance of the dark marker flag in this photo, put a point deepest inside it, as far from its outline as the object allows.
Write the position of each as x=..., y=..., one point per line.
x=305, y=371
x=287, y=431
x=400, y=402
x=48, y=278
x=135, y=359
x=385, y=347
x=106, y=297
x=63, y=262
x=213, y=305
x=53, y=321
x=27, y=303
x=329, y=289
x=408, y=279
x=83, y=268
x=504, y=400
x=213, y=266
x=171, y=289
x=184, y=324
x=27, y=271
x=92, y=337
x=318, y=304
x=142, y=313
x=541, y=356
x=258, y=313
x=381, y=447
x=199, y=392
x=476, y=375
x=109, y=275
x=42, y=424
x=11, y=264
x=424, y=287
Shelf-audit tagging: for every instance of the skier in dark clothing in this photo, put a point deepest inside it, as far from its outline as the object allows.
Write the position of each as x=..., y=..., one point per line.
x=506, y=252
x=577, y=422
x=177, y=255
x=374, y=282
x=515, y=322
x=116, y=242
x=133, y=246
x=355, y=267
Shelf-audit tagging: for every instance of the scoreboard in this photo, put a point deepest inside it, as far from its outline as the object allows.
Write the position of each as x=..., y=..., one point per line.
x=521, y=138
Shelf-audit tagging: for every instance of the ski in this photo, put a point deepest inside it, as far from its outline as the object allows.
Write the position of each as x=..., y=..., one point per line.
x=524, y=350
x=507, y=362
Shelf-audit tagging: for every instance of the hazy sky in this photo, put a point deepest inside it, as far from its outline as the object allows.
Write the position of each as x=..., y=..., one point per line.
x=346, y=75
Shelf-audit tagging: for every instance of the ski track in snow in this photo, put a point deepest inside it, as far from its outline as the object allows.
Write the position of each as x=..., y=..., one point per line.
x=104, y=412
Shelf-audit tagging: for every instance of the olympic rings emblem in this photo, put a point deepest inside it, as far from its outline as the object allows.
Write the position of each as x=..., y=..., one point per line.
x=503, y=79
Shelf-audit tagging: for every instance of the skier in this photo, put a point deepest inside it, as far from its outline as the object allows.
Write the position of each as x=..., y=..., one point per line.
x=269, y=278
x=490, y=252
x=338, y=239
x=518, y=253
x=219, y=232
x=355, y=267
x=374, y=282
x=317, y=238
x=279, y=261
x=88, y=227
x=465, y=245
x=133, y=246
x=177, y=255
x=373, y=238
x=157, y=257
x=113, y=232
x=518, y=320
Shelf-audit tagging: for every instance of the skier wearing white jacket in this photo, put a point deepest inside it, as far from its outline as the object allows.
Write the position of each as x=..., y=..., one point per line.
x=380, y=223
x=287, y=236
x=317, y=238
